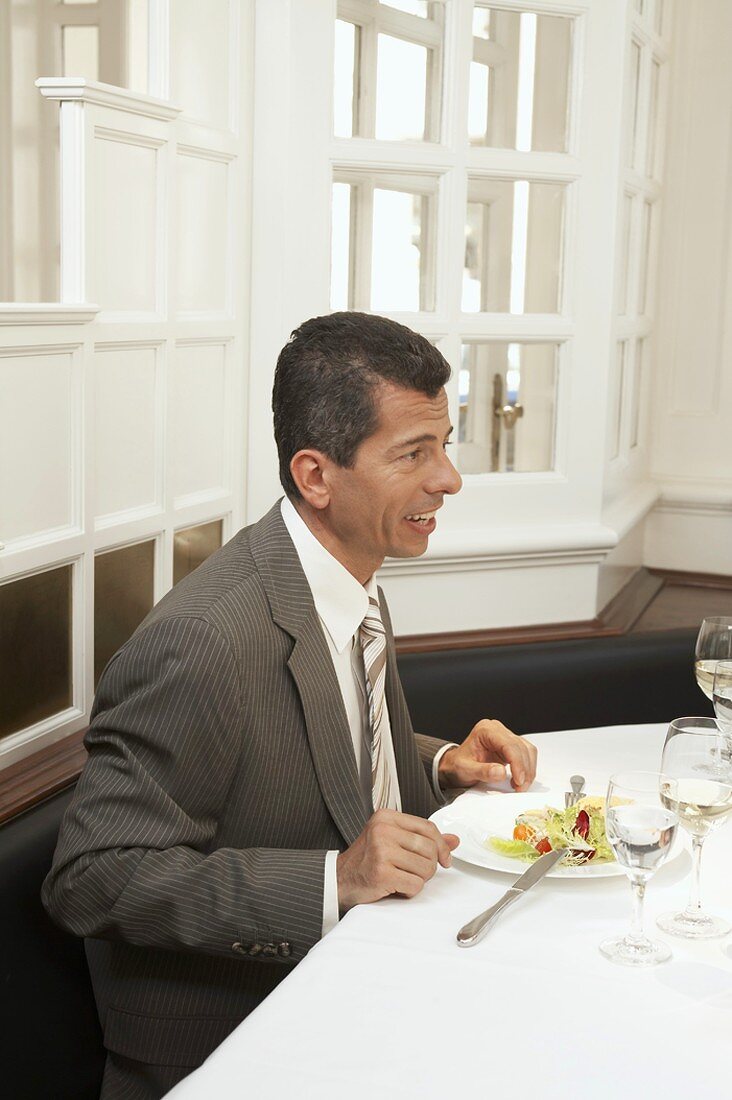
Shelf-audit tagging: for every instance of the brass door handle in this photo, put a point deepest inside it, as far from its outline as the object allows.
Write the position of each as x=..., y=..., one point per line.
x=509, y=414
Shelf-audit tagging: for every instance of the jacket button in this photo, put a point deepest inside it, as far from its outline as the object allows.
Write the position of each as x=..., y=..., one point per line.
x=238, y=947
x=269, y=950
x=254, y=948
x=284, y=949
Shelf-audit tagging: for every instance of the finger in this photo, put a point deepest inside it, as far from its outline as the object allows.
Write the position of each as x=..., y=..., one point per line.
x=414, y=864
x=452, y=842
x=418, y=825
x=434, y=847
x=404, y=884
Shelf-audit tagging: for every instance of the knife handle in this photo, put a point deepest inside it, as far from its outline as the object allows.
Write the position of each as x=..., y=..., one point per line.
x=475, y=929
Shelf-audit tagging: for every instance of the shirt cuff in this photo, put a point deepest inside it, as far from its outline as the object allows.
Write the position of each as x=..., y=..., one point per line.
x=439, y=793
x=330, y=893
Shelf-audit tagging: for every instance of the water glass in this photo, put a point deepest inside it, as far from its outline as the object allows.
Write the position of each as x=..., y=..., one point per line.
x=641, y=830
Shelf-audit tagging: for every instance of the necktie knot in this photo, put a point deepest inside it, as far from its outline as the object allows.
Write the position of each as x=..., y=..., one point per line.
x=372, y=626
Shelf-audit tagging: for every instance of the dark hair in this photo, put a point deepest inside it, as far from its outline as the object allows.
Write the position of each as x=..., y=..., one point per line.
x=326, y=381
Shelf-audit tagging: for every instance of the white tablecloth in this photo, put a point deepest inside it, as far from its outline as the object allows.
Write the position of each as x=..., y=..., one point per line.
x=388, y=1006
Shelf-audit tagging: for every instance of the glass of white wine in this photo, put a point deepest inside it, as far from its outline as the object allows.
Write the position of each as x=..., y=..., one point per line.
x=713, y=644
x=722, y=697
x=641, y=830
x=702, y=798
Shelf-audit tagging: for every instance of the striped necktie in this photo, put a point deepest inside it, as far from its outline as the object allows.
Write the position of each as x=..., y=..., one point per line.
x=373, y=644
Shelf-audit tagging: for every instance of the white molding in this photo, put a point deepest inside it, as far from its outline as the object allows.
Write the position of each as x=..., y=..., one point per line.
x=624, y=514
x=47, y=313
x=695, y=497
x=480, y=563
x=79, y=90
x=509, y=548
x=18, y=745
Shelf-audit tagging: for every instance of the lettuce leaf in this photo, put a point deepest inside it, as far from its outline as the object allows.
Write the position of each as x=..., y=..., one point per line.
x=515, y=849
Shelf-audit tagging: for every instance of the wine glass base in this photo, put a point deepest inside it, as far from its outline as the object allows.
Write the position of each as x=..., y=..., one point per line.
x=626, y=952
x=692, y=926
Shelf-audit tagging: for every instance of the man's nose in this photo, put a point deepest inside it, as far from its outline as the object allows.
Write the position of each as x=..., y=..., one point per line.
x=446, y=479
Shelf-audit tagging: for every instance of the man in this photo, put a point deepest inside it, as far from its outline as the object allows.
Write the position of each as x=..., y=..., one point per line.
x=252, y=769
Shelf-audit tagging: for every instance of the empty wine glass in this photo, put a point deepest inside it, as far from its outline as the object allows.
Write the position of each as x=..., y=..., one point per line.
x=641, y=830
x=713, y=644
x=702, y=798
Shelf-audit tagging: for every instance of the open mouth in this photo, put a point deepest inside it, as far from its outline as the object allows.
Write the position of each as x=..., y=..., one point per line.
x=423, y=521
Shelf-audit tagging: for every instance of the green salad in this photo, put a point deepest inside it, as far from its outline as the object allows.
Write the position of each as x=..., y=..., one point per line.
x=580, y=829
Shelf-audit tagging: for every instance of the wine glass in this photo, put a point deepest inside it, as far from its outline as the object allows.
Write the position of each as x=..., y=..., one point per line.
x=702, y=799
x=713, y=644
x=641, y=830
x=722, y=697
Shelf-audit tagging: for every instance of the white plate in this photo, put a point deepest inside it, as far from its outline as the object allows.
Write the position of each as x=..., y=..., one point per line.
x=477, y=815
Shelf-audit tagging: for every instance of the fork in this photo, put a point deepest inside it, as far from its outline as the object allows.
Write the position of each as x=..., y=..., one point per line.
x=577, y=783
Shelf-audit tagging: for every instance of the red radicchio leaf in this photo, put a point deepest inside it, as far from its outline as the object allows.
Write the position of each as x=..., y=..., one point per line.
x=582, y=824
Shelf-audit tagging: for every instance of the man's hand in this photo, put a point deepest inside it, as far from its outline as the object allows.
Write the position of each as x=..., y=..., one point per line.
x=483, y=756
x=395, y=854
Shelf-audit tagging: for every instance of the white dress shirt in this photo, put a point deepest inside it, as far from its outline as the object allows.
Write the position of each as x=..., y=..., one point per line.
x=341, y=603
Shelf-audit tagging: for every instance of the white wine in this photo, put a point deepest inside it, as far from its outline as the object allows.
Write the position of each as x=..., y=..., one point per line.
x=722, y=699
x=701, y=804
x=704, y=671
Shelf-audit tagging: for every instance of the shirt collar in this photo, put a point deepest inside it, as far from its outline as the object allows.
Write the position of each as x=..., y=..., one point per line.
x=341, y=602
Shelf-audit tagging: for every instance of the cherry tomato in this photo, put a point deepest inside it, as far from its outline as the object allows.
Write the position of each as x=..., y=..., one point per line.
x=543, y=846
x=523, y=832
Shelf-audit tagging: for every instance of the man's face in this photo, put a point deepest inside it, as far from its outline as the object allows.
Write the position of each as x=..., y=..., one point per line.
x=384, y=505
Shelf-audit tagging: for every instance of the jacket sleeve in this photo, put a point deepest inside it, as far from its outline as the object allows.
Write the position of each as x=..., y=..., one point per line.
x=136, y=858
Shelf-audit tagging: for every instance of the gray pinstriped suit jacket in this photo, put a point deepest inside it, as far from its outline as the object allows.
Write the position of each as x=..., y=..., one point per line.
x=220, y=771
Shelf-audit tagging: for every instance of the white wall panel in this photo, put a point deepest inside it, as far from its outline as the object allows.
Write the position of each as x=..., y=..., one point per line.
x=199, y=59
x=199, y=436
x=125, y=235
x=125, y=417
x=38, y=442
x=202, y=263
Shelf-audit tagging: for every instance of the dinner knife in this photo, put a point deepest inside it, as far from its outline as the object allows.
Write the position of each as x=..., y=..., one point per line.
x=475, y=929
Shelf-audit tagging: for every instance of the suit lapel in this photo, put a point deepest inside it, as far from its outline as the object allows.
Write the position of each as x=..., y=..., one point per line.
x=310, y=664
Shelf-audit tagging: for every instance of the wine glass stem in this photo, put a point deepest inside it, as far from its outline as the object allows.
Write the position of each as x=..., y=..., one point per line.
x=636, y=924
x=694, y=905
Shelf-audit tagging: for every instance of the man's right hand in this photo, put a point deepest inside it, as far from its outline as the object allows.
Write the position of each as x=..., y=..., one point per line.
x=395, y=854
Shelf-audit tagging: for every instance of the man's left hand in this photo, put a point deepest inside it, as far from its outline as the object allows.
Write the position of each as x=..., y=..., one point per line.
x=484, y=755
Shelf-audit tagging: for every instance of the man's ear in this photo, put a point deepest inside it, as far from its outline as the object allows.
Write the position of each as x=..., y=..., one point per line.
x=309, y=472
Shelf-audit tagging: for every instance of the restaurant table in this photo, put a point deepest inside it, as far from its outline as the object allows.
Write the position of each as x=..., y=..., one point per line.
x=387, y=1005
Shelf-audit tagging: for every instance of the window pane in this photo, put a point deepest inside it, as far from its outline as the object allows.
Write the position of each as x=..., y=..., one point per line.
x=401, y=90
x=645, y=245
x=478, y=103
x=35, y=648
x=340, y=246
x=481, y=22
x=624, y=255
x=344, y=84
x=653, y=120
x=658, y=19
x=399, y=280
x=616, y=404
x=496, y=375
x=123, y=595
x=640, y=354
x=635, y=69
x=519, y=81
x=414, y=7
x=513, y=247
x=192, y=546
x=80, y=47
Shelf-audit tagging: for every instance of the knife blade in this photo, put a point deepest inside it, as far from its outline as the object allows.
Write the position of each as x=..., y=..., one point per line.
x=475, y=929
